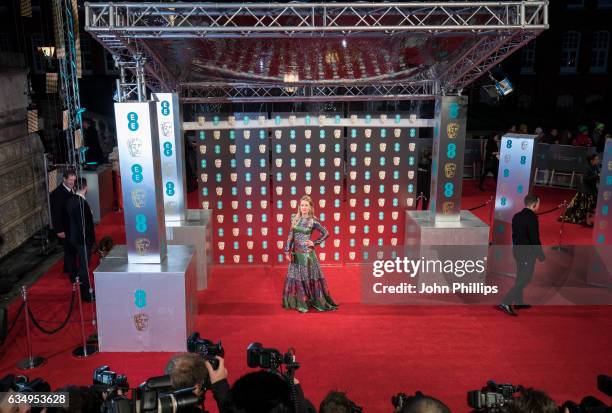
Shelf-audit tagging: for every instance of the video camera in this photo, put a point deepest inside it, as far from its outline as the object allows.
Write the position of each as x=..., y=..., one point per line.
x=270, y=358
x=205, y=348
x=493, y=397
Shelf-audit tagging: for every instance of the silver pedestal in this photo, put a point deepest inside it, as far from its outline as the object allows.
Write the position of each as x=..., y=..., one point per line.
x=422, y=230
x=99, y=191
x=195, y=230
x=146, y=307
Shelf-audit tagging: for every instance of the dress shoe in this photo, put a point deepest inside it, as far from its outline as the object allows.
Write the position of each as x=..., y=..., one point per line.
x=522, y=306
x=507, y=309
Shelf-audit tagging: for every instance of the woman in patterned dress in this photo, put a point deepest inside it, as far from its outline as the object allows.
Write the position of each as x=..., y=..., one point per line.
x=305, y=285
x=585, y=200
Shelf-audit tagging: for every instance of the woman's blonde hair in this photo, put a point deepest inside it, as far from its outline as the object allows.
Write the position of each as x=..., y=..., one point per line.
x=298, y=215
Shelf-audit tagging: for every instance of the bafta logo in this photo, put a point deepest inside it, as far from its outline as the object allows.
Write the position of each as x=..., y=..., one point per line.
x=366, y=189
x=261, y=120
x=449, y=170
x=232, y=149
x=353, y=175
x=352, y=255
x=142, y=246
x=308, y=190
x=321, y=119
x=234, y=204
x=262, y=148
x=220, y=219
x=205, y=204
x=337, y=133
x=216, y=135
x=166, y=128
x=264, y=231
x=366, y=216
x=368, y=133
x=247, y=134
x=381, y=202
x=248, y=190
x=278, y=134
x=263, y=176
x=336, y=243
x=263, y=204
x=235, y=232
x=167, y=168
x=353, y=119
x=397, y=132
x=141, y=321
x=606, y=195
x=234, y=176
x=395, y=188
x=337, y=189
x=336, y=162
x=219, y=191
x=322, y=176
x=138, y=198
x=410, y=202
x=249, y=218
x=292, y=148
x=394, y=242
x=353, y=147
x=322, y=147
x=367, y=161
x=410, y=174
x=447, y=207
x=609, y=165
x=279, y=217
x=336, y=216
x=201, y=120
x=307, y=133
x=524, y=145
x=218, y=163
x=279, y=190
x=307, y=162
x=366, y=242
x=411, y=146
x=247, y=163
x=292, y=119
x=236, y=259
x=381, y=229
x=134, y=147
x=264, y=258
x=250, y=245
x=231, y=120
x=221, y=245
x=322, y=256
x=383, y=118
x=171, y=206
x=293, y=203
x=292, y=176
x=352, y=202
x=321, y=203
x=394, y=215
x=396, y=160
x=203, y=149
x=278, y=163
x=279, y=245
x=381, y=175
x=452, y=130
x=380, y=255
x=507, y=158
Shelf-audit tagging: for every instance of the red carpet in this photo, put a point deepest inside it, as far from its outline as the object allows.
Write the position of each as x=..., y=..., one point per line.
x=370, y=351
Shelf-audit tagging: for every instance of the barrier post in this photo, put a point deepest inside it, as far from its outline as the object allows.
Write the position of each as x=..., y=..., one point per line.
x=86, y=349
x=30, y=362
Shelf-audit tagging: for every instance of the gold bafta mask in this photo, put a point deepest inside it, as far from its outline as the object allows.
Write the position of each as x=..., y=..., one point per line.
x=368, y=133
x=449, y=170
x=336, y=243
x=352, y=229
x=216, y=135
x=366, y=216
x=234, y=176
x=263, y=204
x=201, y=120
x=279, y=245
x=138, y=198
x=247, y=134
x=219, y=191
x=292, y=148
x=247, y=163
x=321, y=203
x=352, y=202
x=203, y=149
x=606, y=195
x=264, y=258
x=167, y=168
x=412, y=118
x=337, y=133
x=381, y=229
x=322, y=256
x=394, y=242
x=249, y=218
x=248, y=190
x=234, y=204
x=381, y=175
x=279, y=190
x=366, y=189
x=337, y=189
x=231, y=120
x=380, y=255
x=171, y=206
x=292, y=176
x=367, y=161
x=263, y=176
x=394, y=215
x=278, y=163
x=236, y=259
x=292, y=120
x=293, y=203
x=609, y=165
x=396, y=160
x=278, y=134
x=353, y=147
x=322, y=119
x=452, y=130
x=336, y=162
x=307, y=133
x=235, y=232
x=221, y=245
x=366, y=242
x=262, y=148
x=142, y=246
x=134, y=147
x=322, y=176
x=395, y=188
x=410, y=174
x=308, y=189
x=205, y=204
x=232, y=149
x=447, y=207
x=218, y=163
x=141, y=321
x=264, y=231
x=383, y=118
x=352, y=255
x=220, y=219
x=353, y=119
x=279, y=217
x=411, y=146
x=250, y=245
x=397, y=132
x=307, y=162
x=381, y=202
x=410, y=201
x=336, y=216
x=322, y=147
x=261, y=120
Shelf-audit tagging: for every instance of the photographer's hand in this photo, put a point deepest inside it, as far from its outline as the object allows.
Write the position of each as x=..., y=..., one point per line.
x=216, y=375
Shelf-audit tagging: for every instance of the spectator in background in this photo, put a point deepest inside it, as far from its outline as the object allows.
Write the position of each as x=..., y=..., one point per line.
x=553, y=137
x=598, y=137
x=566, y=137
x=539, y=134
x=532, y=401
x=424, y=179
x=92, y=141
x=59, y=217
x=491, y=159
x=338, y=402
x=113, y=158
x=523, y=129
x=582, y=139
x=585, y=200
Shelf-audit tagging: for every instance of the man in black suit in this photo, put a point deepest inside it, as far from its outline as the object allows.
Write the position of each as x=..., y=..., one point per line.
x=59, y=217
x=81, y=234
x=526, y=248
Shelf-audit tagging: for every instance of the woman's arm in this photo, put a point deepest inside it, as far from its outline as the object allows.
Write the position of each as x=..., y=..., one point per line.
x=324, y=233
x=289, y=243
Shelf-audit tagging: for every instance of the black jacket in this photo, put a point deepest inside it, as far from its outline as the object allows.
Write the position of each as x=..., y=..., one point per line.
x=81, y=226
x=59, y=214
x=526, y=234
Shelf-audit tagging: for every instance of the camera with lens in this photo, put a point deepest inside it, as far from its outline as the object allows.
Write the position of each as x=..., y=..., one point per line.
x=270, y=358
x=22, y=384
x=158, y=395
x=112, y=387
x=104, y=377
x=205, y=348
x=493, y=397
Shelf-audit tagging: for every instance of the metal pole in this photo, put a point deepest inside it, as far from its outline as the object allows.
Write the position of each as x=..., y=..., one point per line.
x=31, y=362
x=87, y=349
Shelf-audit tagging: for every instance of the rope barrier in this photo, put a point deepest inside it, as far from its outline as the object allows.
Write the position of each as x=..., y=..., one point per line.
x=550, y=210
x=15, y=320
x=61, y=326
x=480, y=206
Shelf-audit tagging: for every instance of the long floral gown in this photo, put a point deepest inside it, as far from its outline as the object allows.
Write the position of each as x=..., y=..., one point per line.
x=305, y=285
